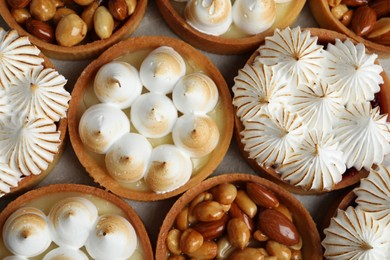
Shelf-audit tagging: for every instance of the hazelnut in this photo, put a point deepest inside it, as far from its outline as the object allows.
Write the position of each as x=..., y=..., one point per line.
x=20, y=15
x=43, y=10
x=61, y=12
x=71, y=30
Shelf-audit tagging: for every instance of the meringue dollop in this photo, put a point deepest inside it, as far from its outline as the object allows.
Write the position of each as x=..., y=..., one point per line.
x=8, y=178
x=63, y=253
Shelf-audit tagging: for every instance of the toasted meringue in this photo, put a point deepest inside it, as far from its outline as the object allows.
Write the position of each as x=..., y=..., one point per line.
x=373, y=194
x=26, y=232
x=153, y=115
x=28, y=144
x=363, y=134
x=128, y=158
x=113, y=238
x=254, y=16
x=17, y=56
x=212, y=17
x=195, y=93
x=169, y=169
x=117, y=82
x=316, y=164
x=5, y=108
x=255, y=87
x=352, y=71
x=71, y=220
x=62, y=253
x=294, y=54
x=354, y=234
x=8, y=178
x=282, y=1
x=317, y=104
x=101, y=125
x=272, y=136
x=161, y=69
x=40, y=94
x=197, y=135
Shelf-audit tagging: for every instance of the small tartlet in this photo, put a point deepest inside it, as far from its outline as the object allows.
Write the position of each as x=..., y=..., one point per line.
x=170, y=11
x=44, y=198
x=349, y=178
x=134, y=51
x=82, y=51
x=302, y=220
x=322, y=13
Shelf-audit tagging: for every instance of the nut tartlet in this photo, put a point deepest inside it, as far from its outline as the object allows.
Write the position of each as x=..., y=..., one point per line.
x=83, y=42
x=322, y=12
x=93, y=211
x=292, y=165
x=33, y=119
x=157, y=155
x=235, y=40
x=242, y=206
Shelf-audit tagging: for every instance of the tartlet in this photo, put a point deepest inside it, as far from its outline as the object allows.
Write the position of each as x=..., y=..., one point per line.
x=311, y=247
x=172, y=12
x=44, y=199
x=84, y=50
x=322, y=13
x=293, y=124
x=134, y=51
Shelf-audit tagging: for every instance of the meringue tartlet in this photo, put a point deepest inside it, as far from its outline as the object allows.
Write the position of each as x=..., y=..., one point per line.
x=72, y=220
x=33, y=106
x=225, y=26
x=302, y=118
x=173, y=132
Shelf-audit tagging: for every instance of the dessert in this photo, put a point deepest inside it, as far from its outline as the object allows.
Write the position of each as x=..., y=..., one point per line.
x=33, y=110
x=300, y=119
x=232, y=216
x=72, y=220
x=180, y=123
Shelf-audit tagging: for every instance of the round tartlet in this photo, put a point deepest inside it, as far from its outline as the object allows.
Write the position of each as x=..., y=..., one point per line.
x=304, y=223
x=351, y=176
x=321, y=11
x=134, y=51
x=171, y=12
x=84, y=50
x=44, y=198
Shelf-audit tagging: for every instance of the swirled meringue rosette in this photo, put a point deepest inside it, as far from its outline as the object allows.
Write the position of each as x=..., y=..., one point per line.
x=329, y=85
x=33, y=105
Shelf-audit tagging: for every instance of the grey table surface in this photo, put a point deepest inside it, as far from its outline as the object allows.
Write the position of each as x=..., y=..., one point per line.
x=69, y=170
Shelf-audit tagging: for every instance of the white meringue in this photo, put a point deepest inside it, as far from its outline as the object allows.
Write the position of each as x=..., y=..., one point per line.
x=272, y=136
x=169, y=169
x=255, y=87
x=352, y=71
x=363, y=134
x=153, y=115
x=5, y=108
x=40, y=94
x=17, y=54
x=28, y=144
x=62, y=253
x=354, y=234
x=8, y=178
x=117, y=82
x=294, y=54
x=195, y=93
x=317, y=104
x=101, y=125
x=14, y=257
x=26, y=232
x=161, y=69
x=71, y=220
x=197, y=135
x=113, y=238
x=254, y=16
x=128, y=158
x=317, y=164
x=373, y=194
x=212, y=17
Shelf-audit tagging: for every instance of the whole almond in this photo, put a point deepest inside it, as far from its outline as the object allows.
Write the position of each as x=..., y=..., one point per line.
x=380, y=32
x=118, y=9
x=238, y=233
x=18, y=3
x=347, y=18
x=190, y=240
x=363, y=19
x=236, y=212
x=381, y=7
x=207, y=211
x=354, y=2
x=278, y=227
x=261, y=196
x=212, y=230
x=41, y=30
x=208, y=250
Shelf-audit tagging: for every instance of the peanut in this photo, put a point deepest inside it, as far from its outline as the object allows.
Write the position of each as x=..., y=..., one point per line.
x=173, y=241
x=182, y=219
x=207, y=211
x=224, y=193
x=276, y=249
x=238, y=233
x=246, y=204
x=190, y=241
